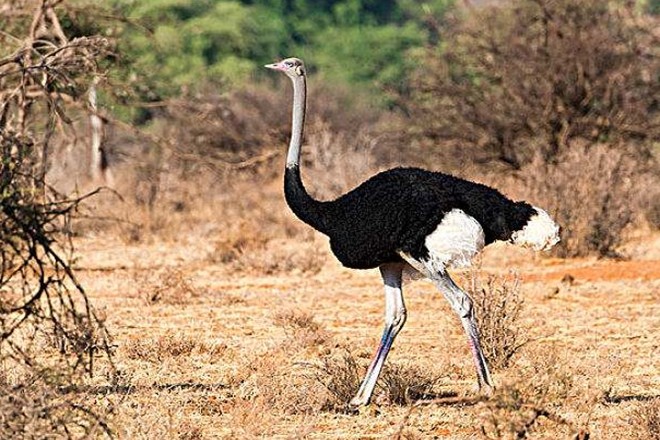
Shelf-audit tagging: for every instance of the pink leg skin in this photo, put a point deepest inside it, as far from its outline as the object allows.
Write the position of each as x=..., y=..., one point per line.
x=395, y=318
x=462, y=305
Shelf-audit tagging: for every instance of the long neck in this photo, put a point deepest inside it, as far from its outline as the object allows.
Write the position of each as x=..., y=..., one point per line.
x=301, y=203
x=298, y=121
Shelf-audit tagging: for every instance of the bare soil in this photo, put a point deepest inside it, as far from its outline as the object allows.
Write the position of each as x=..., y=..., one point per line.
x=192, y=334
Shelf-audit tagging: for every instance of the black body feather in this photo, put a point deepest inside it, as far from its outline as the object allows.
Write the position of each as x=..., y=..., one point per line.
x=397, y=209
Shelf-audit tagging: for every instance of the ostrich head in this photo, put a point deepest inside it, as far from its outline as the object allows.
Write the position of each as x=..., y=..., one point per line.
x=292, y=67
x=540, y=232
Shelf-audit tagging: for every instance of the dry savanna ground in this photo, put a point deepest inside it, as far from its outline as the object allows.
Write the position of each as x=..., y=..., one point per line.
x=205, y=349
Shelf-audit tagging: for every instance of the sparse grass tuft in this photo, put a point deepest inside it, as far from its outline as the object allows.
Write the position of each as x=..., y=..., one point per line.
x=301, y=329
x=171, y=286
x=534, y=398
x=236, y=240
x=340, y=376
x=402, y=384
x=190, y=432
x=285, y=379
x=170, y=345
x=283, y=256
x=498, y=302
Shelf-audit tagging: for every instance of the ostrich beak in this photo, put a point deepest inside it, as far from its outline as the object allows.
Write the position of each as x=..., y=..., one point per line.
x=275, y=66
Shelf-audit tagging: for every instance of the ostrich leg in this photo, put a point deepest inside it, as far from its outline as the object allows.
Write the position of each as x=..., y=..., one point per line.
x=395, y=318
x=462, y=305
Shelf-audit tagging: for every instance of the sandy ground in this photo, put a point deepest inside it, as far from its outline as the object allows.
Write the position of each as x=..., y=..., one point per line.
x=597, y=320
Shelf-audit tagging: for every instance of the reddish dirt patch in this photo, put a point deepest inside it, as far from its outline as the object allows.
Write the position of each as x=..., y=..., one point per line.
x=605, y=270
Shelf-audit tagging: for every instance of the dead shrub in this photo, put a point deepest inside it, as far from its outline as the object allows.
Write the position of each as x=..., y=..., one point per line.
x=533, y=399
x=563, y=95
x=35, y=409
x=274, y=380
x=252, y=419
x=338, y=161
x=340, y=376
x=279, y=378
x=190, y=432
x=653, y=213
x=523, y=78
x=49, y=329
x=646, y=417
x=285, y=378
x=255, y=419
x=594, y=193
x=236, y=240
x=402, y=384
x=229, y=299
x=498, y=305
x=260, y=242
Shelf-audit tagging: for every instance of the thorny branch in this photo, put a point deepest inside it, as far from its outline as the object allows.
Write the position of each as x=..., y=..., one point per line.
x=42, y=303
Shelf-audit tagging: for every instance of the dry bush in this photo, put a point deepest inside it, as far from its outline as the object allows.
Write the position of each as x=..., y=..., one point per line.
x=309, y=372
x=520, y=79
x=402, y=384
x=274, y=380
x=285, y=379
x=279, y=378
x=532, y=400
x=653, y=212
x=49, y=331
x=35, y=409
x=223, y=131
x=252, y=419
x=593, y=193
x=646, y=417
x=498, y=304
x=236, y=240
x=338, y=161
x=340, y=376
x=234, y=145
x=242, y=135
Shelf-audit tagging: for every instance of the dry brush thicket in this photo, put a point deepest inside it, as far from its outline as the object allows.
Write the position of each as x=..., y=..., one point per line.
x=49, y=332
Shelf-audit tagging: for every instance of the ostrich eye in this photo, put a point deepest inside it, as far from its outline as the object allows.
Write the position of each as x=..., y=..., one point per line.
x=288, y=64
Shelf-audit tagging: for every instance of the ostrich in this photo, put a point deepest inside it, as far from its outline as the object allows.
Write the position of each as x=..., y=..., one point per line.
x=409, y=219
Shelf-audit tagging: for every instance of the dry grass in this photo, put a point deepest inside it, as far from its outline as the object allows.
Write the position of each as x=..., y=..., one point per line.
x=169, y=346
x=646, y=417
x=279, y=378
x=403, y=384
x=35, y=409
x=525, y=405
x=340, y=376
x=168, y=286
x=301, y=328
x=276, y=363
x=279, y=256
